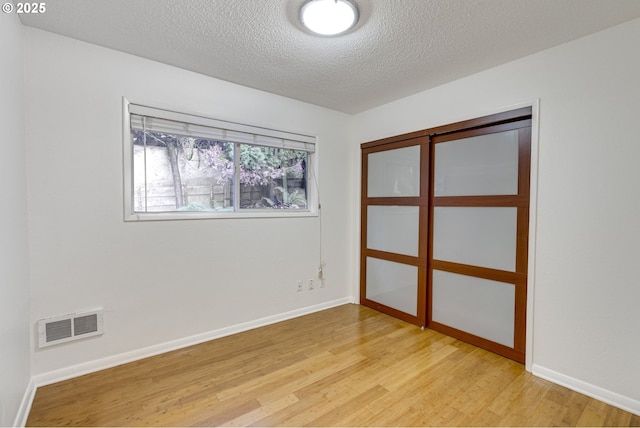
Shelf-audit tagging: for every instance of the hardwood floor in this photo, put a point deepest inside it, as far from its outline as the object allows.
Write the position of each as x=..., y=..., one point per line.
x=346, y=366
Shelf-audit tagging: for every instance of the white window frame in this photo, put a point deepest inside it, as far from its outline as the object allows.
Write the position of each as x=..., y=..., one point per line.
x=266, y=136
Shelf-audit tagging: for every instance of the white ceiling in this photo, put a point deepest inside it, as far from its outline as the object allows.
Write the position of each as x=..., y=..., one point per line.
x=399, y=47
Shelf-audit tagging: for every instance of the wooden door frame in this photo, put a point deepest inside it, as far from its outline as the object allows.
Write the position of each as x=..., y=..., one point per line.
x=520, y=201
x=421, y=201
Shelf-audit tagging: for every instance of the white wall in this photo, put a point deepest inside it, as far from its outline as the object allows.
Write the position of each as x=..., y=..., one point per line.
x=14, y=282
x=160, y=281
x=587, y=289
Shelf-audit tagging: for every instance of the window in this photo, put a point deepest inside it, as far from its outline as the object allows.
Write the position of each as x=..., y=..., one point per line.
x=179, y=165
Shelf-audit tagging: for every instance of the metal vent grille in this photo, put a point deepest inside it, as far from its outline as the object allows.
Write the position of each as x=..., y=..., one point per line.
x=66, y=328
x=58, y=330
x=85, y=324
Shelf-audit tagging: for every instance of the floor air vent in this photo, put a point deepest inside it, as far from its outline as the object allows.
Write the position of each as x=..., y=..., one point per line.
x=66, y=328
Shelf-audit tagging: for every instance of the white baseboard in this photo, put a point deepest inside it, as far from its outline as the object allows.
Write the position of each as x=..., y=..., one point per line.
x=593, y=391
x=138, y=354
x=25, y=405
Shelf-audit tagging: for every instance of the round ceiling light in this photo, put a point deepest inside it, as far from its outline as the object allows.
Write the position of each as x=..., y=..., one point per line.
x=329, y=17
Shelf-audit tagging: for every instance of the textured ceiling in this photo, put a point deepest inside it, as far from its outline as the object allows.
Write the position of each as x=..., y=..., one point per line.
x=399, y=47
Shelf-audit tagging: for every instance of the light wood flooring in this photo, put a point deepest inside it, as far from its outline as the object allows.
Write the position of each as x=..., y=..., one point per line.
x=346, y=366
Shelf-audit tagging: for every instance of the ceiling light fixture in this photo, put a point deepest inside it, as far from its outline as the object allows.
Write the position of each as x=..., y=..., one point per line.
x=329, y=17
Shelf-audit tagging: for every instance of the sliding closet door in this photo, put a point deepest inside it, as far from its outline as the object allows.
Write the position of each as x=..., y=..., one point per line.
x=445, y=215
x=479, y=229
x=395, y=227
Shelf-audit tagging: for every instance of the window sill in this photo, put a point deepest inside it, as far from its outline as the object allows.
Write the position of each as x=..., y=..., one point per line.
x=197, y=215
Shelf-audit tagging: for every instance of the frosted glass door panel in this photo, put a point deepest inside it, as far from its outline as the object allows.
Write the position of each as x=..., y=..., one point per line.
x=479, y=306
x=478, y=236
x=393, y=284
x=394, y=173
x=393, y=229
x=482, y=165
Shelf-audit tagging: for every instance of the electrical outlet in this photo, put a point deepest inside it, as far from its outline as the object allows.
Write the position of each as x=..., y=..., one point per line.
x=299, y=285
x=311, y=284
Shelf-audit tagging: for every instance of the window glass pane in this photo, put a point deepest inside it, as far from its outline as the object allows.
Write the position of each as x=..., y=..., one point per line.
x=272, y=178
x=177, y=173
x=393, y=229
x=482, y=165
x=478, y=236
x=393, y=284
x=394, y=172
x=478, y=306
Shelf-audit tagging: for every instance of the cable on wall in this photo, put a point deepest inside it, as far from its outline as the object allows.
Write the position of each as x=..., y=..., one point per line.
x=321, y=262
